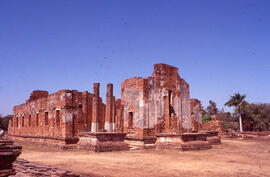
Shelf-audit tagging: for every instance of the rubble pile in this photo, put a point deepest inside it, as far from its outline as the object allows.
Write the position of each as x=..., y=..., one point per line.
x=8, y=154
x=25, y=168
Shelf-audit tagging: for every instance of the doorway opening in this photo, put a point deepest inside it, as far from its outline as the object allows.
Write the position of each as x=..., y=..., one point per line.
x=130, y=120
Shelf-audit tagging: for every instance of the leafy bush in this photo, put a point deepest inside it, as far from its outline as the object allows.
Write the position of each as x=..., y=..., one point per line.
x=206, y=118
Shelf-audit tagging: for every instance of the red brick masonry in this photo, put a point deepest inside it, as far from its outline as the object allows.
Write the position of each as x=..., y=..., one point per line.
x=148, y=106
x=184, y=142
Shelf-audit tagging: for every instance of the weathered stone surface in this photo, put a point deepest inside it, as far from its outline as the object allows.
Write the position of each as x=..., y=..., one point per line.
x=145, y=142
x=157, y=104
x=37, y=94
x=214, y=125
x=194, y=137
x=102, y=141
x=27, y=169
x=56, y=142
x=8, y=154
x=184, y=142
x=195, y=141
x=196, y=114
x=169, y=141
x=213, y=138
x=196, y=145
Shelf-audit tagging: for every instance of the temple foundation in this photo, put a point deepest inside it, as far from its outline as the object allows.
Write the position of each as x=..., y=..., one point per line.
x=184, y=142
x=102, y=141
x=213, y=138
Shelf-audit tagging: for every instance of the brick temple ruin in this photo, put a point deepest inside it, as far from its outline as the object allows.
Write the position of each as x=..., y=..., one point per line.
x=151, y=110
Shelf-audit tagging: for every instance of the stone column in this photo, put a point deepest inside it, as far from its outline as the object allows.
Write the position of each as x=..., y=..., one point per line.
x=95, y=115
x=109, y=108
x=85, y=110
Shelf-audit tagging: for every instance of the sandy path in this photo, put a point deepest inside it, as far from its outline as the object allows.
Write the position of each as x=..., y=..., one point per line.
x=232, y=158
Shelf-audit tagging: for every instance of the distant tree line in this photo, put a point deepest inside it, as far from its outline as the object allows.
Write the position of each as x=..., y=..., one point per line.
x=254, y=116
x=4, y=122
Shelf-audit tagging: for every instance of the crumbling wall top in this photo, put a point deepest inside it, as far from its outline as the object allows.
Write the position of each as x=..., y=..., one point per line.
x=162, y=69
x=37, y=94
x=194, y=101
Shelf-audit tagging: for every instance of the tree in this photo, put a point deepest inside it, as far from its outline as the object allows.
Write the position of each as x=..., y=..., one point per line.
x=265, y=115
x=237, y=100
x=249, y=116
x=256, y=116
x=205, y=116
x=212, y=108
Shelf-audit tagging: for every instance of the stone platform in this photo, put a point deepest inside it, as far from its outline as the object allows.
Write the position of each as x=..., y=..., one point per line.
x=213, y=138
x=102, y=141
x=184, y=142
x=8, y=154
x=55, y=142
x=169, y=141
x=147, y=142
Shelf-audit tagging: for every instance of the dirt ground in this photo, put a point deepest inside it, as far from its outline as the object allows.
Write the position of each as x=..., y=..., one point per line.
x=243, y=158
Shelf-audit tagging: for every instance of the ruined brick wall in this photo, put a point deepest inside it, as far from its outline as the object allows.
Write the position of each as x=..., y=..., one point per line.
x=196, y=114
x=132, y=99
x=214, y=125
x=37, y=94
x=118, y=116
x=62, y=114
x=156, y=104
x=159, y=103
x=102, y=115
x=165, y=81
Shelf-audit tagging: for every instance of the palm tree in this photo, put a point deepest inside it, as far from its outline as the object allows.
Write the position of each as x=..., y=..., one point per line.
x=237, y=100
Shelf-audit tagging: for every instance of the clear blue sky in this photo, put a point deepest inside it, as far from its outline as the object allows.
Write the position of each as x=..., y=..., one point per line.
x=220, y=47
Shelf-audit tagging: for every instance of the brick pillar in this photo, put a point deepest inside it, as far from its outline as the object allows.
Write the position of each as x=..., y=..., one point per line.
x=109, y=108
x=95, y=117
x=120, y=121
x=67, y=126
x=9, y=125
x=96, y=89
x=167, y=112
x=85, y=110
x=113, y=114
x=20, y=125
